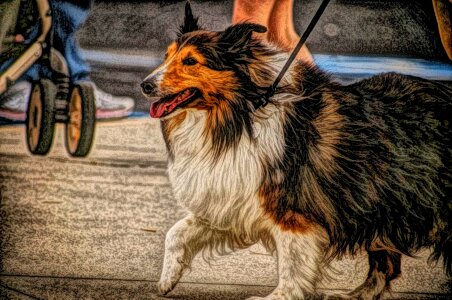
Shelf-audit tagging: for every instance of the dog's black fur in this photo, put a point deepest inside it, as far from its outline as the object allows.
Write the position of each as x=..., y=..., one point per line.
x=394, y=168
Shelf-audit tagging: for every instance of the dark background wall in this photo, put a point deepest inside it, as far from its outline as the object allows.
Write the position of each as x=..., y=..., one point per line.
x=367, y=27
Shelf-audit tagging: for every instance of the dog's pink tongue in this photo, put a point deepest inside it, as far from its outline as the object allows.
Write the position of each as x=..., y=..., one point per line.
x=157, y=109
x=160, y=108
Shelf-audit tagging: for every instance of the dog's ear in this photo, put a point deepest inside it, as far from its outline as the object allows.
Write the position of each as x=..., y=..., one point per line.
x=236, y=37
x=190, y=22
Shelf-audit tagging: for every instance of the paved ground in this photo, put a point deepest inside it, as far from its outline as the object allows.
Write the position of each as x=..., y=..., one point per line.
x=94, y=227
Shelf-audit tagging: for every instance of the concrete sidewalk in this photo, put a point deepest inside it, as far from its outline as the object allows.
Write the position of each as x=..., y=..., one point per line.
x=94, y=228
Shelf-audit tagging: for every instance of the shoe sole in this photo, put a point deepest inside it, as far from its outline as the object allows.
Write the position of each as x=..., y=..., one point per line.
x=13, y=115
x=108, y=114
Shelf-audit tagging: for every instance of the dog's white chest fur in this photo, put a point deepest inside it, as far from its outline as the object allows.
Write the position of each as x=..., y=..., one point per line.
x=223, y=191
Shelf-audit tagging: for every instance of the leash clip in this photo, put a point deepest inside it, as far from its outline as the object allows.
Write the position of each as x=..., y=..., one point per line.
x=264, y=99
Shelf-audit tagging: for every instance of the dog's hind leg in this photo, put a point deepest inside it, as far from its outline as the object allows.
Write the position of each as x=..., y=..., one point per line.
x=384, y=266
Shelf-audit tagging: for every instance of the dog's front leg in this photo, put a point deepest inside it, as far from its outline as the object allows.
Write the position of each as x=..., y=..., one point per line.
x=299, y=263
x=183, y=241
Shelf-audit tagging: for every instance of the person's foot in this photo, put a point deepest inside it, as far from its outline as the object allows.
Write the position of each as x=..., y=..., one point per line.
x=13, y=103
x=112, y=107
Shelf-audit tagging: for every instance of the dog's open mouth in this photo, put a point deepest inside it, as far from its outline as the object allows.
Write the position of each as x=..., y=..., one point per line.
x=168, y=104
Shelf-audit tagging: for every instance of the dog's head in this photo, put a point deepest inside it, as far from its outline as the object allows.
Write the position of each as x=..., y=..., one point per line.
x=204, y=69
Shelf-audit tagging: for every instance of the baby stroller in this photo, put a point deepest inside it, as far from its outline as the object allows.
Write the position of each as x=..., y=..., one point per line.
x=51, y=99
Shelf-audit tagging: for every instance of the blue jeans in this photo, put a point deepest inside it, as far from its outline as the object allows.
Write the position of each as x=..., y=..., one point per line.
x=67, y=17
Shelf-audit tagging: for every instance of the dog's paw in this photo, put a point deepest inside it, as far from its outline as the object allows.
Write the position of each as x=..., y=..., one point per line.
x=282, y=294
x=165, y=286
x=172, y=271
x=336, y=296
x=269, y=297
x=170, y=277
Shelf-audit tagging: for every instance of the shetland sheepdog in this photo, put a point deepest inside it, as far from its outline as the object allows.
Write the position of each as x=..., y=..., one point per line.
x=321, y=171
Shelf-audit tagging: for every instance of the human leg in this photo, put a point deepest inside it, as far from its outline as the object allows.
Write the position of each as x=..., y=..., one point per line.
x=277, y=16
x=254, y=11
x=281, y=29
x=68, y=17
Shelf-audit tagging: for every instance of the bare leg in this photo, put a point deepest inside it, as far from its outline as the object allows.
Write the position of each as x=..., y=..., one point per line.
x=254, y=11
x=281, y=30
x=299, y=264
x=443, y=18
x=277, y=16
x=183, y=241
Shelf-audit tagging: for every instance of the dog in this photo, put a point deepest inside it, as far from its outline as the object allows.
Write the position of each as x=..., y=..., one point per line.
x=321, y=171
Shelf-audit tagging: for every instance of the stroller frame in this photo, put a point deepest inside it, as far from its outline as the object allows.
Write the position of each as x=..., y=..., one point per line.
x=53, y=100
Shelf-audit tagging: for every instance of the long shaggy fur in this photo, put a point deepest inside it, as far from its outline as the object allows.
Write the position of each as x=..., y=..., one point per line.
x=338, y=168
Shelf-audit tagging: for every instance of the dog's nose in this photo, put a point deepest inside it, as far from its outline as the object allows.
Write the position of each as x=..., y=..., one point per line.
x=148, y=87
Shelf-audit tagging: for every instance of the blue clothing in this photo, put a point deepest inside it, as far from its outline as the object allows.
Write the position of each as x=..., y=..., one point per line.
x=67, y=17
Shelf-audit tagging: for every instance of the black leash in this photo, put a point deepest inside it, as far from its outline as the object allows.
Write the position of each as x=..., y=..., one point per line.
x=262, y=101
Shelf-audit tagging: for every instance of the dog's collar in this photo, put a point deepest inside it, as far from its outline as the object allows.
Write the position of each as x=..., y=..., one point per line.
x=264, y=99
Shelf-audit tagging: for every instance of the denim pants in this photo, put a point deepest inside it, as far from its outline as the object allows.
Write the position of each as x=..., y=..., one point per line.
x=67, y=17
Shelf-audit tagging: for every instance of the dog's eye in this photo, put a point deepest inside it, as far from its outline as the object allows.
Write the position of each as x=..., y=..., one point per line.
x=190, y=61
x=166, y=55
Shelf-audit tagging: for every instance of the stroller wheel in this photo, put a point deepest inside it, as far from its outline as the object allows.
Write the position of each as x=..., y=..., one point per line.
x=40, y=121
x=81, y=119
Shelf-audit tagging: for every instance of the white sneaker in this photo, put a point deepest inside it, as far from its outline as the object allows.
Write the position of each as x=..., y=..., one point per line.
x=112, y=107
x=14, y=102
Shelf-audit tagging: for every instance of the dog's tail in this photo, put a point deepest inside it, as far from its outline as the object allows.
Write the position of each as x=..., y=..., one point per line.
x=447, y=252
x=443, y=245
x=443, y=248
x=443, y=240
